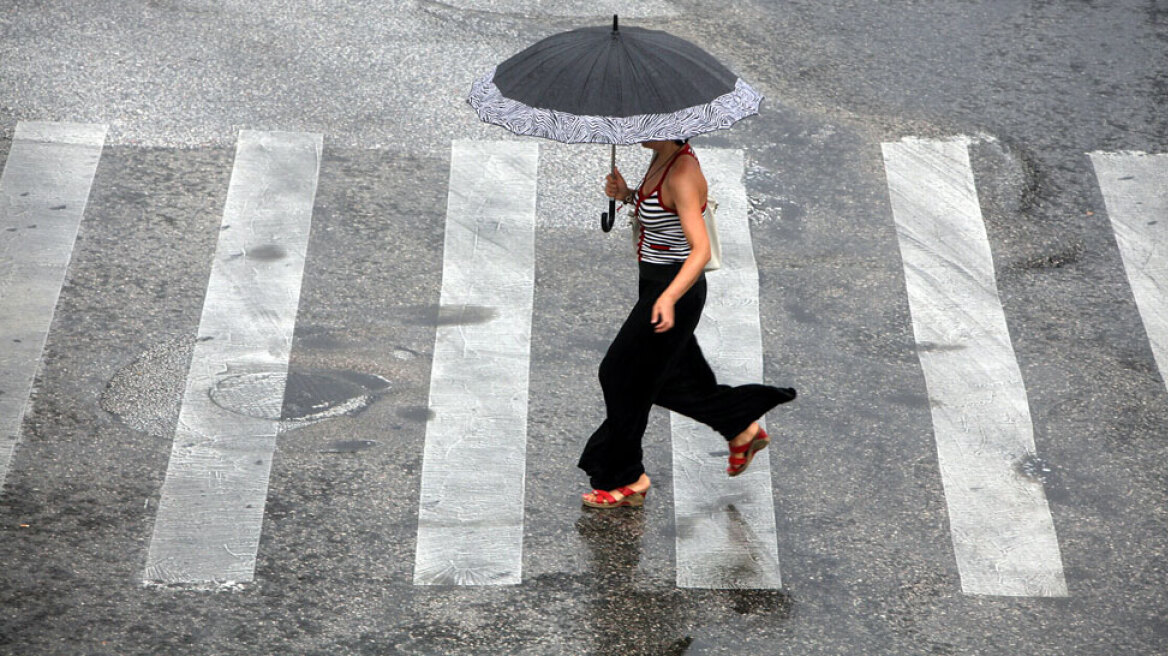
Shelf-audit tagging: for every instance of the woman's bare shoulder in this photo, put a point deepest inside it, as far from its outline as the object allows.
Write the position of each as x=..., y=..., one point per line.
x=688, y=170
x=685, y=179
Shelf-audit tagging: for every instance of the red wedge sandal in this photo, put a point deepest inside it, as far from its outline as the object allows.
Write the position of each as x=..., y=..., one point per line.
x=631, y=499
x=740, y=456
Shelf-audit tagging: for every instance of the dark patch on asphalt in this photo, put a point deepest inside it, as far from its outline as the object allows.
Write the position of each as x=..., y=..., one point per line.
x=416, y=413
x=1140, y=365
x=1056, y=260
x=933, y=347
x=801, y=314
x=909, y=400
x=371, y=382
x=591, y=344
x=349, y=446
x=449, y=315
x=317, y=394
x=1035, y=179
x=790, y=210
x=1034, y=468
x=462, y=315
x=775, y=603
x=267, y=253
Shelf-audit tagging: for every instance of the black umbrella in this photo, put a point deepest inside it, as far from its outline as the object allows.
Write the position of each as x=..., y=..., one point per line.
x=596, y=85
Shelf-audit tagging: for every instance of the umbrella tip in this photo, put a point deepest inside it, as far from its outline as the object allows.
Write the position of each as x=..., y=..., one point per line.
x=615, y=27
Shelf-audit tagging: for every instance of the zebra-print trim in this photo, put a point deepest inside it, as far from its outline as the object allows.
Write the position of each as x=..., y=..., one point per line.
x=722, y=112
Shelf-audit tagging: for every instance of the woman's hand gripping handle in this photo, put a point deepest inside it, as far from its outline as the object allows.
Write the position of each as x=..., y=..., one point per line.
x=615, y=186
x=607, y=219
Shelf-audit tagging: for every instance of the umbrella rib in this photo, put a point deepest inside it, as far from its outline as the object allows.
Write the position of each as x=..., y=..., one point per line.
x=654, y=85
x=520, y=72
x=707, y=64
x=583, y=91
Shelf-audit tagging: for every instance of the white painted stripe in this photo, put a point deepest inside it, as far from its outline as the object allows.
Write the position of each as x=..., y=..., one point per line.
x=1135, y=191
x=470, y=517
x=43, y=192
x=726, y=535
x=1002, y=530
x=209, y=517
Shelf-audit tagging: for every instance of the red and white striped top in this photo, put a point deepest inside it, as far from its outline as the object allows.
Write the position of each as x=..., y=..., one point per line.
x=662, y=241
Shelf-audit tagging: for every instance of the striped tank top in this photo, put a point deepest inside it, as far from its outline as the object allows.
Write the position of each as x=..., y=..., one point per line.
x=662, y=241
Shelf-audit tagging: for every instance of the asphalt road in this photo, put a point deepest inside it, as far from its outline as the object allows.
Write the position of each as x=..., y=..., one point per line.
x=863, y=532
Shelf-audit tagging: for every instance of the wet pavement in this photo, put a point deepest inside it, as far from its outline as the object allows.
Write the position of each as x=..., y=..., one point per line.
x=864, y=542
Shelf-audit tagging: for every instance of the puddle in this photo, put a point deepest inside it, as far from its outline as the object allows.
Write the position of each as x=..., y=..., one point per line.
x=267, y=253
x=1034, y=468
x=416, y=413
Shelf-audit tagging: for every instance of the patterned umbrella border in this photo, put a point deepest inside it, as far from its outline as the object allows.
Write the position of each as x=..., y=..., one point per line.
x=493, y=107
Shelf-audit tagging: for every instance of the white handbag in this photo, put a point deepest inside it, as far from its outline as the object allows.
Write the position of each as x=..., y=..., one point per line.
x=715, y=262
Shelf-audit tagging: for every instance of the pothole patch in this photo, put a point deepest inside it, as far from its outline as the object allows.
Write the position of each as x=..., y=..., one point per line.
x=147, y=394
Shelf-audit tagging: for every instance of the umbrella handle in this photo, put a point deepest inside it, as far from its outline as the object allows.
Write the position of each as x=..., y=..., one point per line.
x=607, y=219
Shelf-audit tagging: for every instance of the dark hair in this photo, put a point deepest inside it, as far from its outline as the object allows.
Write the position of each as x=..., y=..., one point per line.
x=680, y=142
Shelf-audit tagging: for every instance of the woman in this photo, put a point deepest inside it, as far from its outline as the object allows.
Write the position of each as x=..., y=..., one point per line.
x=655, y=358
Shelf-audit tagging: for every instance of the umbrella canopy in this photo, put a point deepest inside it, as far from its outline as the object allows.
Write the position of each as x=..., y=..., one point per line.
x=613, y=86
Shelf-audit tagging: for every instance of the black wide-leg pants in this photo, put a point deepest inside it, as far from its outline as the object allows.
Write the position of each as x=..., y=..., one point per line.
x=643, y=368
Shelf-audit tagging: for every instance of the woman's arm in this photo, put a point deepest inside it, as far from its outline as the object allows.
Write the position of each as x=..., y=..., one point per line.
x=687, y=188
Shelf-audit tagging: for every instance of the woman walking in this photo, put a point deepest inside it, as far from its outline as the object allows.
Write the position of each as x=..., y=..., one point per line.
x=655, y=358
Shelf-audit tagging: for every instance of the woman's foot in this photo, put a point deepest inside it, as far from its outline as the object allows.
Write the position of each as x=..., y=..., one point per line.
x=744, y=446
x=631, y=495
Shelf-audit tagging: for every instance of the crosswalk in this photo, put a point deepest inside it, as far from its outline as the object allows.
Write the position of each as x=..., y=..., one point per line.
x=470, y=504
x=470, y=516
x=44, y=189
x=726, y=533
x=1133, y=187
x=1003, y=534
x=212, y=506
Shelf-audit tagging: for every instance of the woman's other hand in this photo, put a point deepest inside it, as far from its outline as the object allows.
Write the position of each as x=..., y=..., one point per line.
x=662, y=318
x=615, y=185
